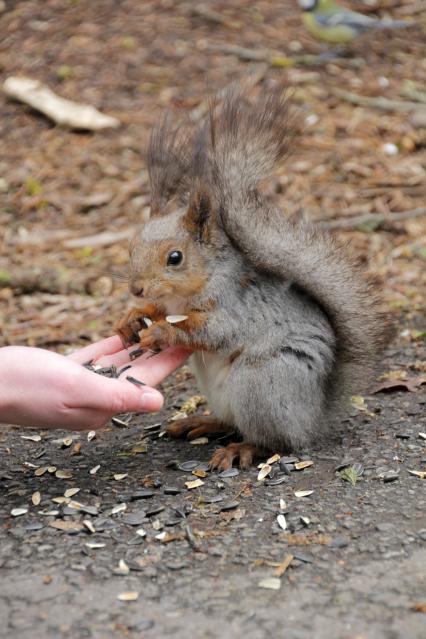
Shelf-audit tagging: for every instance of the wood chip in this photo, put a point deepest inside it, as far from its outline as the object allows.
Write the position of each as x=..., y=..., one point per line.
x=63, y=474
x=303, y=464
x=280, y=570
x=130, y=595
x=32, y=438
x=264, y=472
x=175, y=319
x=303, y=493
x=120, y=476
x=199, y=441
x=194, y=484
x=36, y=498
x=94, y=470
x=60, y=110
x=70, y=492
x=282, y=523
x=17, y=512
x=271, y=583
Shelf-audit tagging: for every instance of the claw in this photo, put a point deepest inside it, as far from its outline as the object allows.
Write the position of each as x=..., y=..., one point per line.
x=222, y=459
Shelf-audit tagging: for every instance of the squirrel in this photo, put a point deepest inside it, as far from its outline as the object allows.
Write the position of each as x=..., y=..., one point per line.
x=282, y=326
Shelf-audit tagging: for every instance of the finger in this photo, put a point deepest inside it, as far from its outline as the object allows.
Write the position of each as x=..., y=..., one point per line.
x=153, y=370
x=106, y=346
x=115, y=396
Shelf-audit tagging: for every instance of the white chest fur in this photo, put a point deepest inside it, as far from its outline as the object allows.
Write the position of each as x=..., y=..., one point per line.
x=211, y=372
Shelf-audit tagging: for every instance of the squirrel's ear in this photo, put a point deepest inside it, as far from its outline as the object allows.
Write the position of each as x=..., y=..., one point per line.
x=198, y=215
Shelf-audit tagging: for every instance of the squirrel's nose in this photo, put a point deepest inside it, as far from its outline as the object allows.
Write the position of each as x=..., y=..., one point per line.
x=136, y=289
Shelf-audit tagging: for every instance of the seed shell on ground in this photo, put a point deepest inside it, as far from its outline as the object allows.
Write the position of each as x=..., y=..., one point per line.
x=70, y=492
x=270, y=583
x=303, y=464
x=282, y=522
x=63, y=474
x=89, y=525
x=31, y=438
x=119, y=508
x=275, y=458
x=17, y=512
x=91, y=435
x=120, y=476
x=422, y=435
x=94, y=470
x=67, y=441
x=264, y=472
x=303, y=493
x=130, y=595
x=94, y=545
x=229, y=472
x=40, y=471
x=36, y=498
x=194, y=484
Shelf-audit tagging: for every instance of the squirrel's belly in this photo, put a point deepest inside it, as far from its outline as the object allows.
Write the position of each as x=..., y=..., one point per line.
x=211, y=372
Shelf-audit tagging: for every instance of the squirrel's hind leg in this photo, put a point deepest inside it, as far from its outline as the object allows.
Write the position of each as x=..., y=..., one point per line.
x=223, y=458
x=197, y=426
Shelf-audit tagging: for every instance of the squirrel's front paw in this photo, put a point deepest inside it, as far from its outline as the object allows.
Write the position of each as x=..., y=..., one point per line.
x=157, y=337
x=132, y=323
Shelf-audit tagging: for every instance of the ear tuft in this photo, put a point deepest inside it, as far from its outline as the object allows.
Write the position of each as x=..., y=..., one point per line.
x=198, y=216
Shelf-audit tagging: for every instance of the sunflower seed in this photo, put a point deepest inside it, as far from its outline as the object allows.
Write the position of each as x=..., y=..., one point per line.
x=175, y=319
x=133, y=380
x=277, y=481
x=141, y=532
x=199, y=441
x=213, y=499
x=94, y=470
x=153, y=427
x=67, y=441
x=422, y=435
x=61, y=500
x=143, y=493
x=36, y=498
x=119, y=422
x=51, y=469
x=271, y=583
x=120, y=476
x=230, y=505
x=32, y=438
x=171, y=490
x=264, y=472
x=123, y=568
x=91, y=435
x=282, y=523
x=305, y=520
x=40, y=471
x=135, y=519
x=17, y=512
x=131, y=595
x=194, y=484
x=283, y=505
x=70, y=492
x=303, y=493
x=63, y=474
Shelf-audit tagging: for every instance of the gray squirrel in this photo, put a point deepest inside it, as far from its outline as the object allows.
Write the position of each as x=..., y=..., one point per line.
x=282, y=325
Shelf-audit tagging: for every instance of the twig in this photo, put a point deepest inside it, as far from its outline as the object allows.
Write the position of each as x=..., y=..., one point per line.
x=211, y=15
x=376, y=220
x=377, y=103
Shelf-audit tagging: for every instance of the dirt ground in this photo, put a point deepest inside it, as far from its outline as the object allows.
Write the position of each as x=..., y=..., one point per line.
x=350, y=563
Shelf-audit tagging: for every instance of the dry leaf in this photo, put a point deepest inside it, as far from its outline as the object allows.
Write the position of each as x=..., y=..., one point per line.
x=411, y=384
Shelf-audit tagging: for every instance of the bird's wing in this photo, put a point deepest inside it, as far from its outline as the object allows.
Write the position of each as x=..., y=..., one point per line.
x=351, y=19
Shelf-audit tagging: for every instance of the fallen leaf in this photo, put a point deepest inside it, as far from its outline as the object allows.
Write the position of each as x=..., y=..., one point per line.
x=411, y=384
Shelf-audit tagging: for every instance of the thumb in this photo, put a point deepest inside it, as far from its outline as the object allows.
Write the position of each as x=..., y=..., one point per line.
x=124, y=397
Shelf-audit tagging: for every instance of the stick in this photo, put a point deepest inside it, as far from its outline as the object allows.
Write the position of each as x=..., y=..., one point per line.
x=377, y=103
x=377, y=220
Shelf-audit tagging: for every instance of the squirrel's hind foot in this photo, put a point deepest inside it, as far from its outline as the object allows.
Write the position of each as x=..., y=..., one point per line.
x=223, y=458
x=196, y=426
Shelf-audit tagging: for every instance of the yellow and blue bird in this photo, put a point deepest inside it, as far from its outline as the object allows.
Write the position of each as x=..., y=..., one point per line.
x=325, y=20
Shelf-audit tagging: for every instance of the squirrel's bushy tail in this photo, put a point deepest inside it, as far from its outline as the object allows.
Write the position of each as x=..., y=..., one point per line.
x=244, y=144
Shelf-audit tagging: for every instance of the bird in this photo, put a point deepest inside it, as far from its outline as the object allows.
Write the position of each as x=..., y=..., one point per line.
x=329, y=22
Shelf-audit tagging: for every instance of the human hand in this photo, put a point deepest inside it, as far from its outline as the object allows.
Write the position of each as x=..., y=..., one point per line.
x=45, y=389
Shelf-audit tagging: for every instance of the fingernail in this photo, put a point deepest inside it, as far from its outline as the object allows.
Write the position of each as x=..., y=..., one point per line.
x=151, y=399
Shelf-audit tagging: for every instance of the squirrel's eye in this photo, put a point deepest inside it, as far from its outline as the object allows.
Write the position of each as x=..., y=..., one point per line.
x=174, y=258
